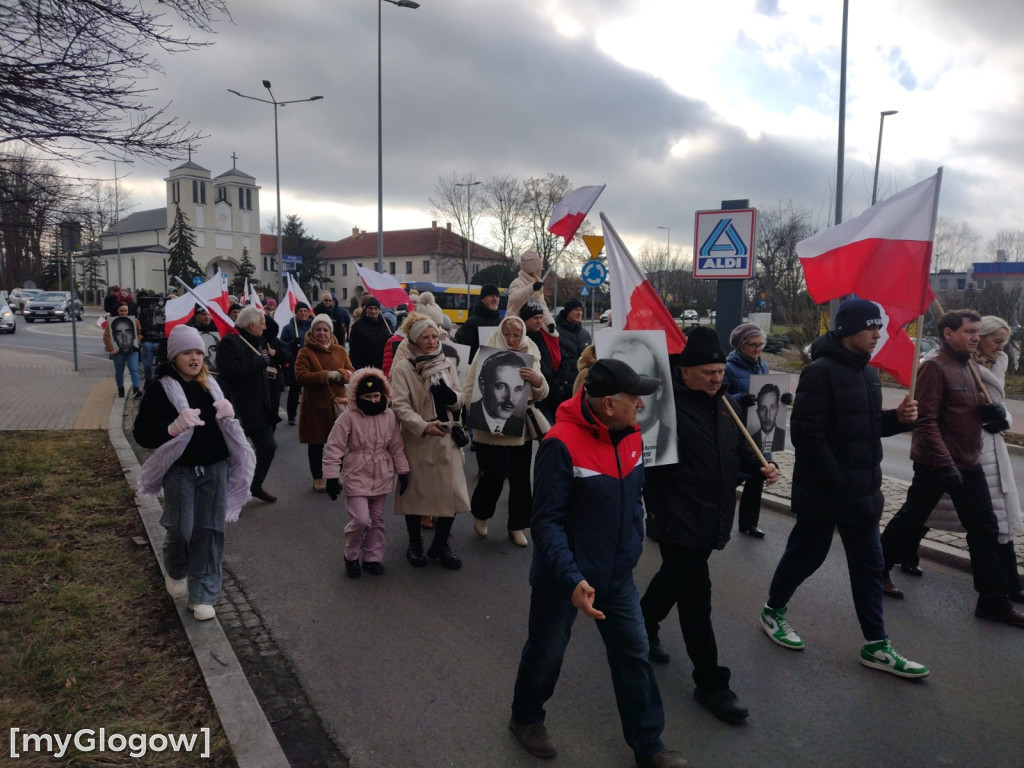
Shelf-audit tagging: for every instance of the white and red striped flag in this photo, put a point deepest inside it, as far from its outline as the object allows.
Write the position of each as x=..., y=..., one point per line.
x=253, y=299
x=636, y=306
x=569, y=212
x=213, y=294
x=388, y=291
x=286, y=306
x=884, y=255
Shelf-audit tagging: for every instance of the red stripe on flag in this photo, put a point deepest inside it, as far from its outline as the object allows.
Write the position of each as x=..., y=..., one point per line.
x=566, y=226
x=647, y=312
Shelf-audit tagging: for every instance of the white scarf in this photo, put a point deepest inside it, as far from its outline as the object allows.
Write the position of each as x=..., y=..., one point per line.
x=241, y=458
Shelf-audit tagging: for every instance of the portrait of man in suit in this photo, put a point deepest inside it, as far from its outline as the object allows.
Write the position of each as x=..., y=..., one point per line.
x=770, y=436
x=501, y=407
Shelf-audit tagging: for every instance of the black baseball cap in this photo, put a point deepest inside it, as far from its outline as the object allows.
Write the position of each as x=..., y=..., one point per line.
x=610, y=377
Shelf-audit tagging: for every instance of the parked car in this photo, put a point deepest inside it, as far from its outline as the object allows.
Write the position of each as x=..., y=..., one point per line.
x=7, y=324
x=20, y=297
x=52, y=305
x=690, y=316
x=606, y=316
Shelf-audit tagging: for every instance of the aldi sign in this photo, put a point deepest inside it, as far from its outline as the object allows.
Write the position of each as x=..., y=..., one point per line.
x=723, y=244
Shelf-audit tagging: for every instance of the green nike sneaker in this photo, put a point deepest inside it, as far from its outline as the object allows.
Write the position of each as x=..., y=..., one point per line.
x=881, y=655
x=775, y=625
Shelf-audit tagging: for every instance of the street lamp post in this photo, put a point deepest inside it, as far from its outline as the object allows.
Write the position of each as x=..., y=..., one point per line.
x=117, y=215
x=668, y=240
x=469, y=218
x=277, y=163
x=878, y=154
x=380, y=137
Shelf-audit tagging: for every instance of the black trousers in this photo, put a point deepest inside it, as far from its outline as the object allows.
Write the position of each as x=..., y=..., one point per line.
x=294, y=391
x=315, y=454
x=685, y=582
x=497, y=462
x=750, y=502
x=264, y=446
x=974, y=508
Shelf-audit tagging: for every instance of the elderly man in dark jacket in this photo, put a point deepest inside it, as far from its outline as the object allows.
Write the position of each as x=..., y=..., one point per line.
x=484, y=314
x=691, y=507
x=243, y=360
x=837, y=428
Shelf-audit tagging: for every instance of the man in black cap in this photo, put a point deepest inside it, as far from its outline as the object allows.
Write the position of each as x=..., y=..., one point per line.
x=368, y=336
x=587, y=531
x=837, y=428
x=554, y=366
x=293, y=337
x=484, y=314
x=691, y=505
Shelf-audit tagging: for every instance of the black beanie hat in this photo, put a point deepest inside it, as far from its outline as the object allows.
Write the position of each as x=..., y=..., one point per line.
x=529, y=309
x=373, y=301
x=856, y=315
x=572, y=304
x=489, y=289
x=702, y=347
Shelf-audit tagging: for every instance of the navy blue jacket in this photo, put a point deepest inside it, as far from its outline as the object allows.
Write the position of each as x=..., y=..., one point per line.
x=588, y=521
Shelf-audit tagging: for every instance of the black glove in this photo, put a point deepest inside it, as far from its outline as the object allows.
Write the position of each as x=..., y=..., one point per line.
x=333, y=488
x=995, y=427
x=266, y=358
x=992, y=412
x=403, y=483
x=538, y=285
x=748, y=399
x=949, y=479
x=551, y=328
x=442, y=392
x=787, y=398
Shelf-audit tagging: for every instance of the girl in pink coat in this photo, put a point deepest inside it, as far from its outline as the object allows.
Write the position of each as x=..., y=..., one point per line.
x=367, y=437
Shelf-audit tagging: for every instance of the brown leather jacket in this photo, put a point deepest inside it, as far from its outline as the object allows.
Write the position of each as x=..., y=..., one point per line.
x=948, y=428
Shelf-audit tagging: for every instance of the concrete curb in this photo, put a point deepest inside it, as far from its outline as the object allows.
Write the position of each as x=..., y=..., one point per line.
x=248, y=730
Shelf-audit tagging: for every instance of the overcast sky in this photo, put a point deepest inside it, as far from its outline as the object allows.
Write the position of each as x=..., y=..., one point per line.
x=674, y=105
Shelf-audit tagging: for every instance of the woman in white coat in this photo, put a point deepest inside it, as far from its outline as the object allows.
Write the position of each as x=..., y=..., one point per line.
x=991, y=363
x=425, y=395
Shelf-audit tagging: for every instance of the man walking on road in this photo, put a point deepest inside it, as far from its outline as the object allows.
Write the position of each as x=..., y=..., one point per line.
x=587, y=529
x=837, y=428
x=946, y=451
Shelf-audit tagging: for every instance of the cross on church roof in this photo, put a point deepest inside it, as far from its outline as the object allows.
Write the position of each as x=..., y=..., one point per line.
x=234, y=157
x=189, y=147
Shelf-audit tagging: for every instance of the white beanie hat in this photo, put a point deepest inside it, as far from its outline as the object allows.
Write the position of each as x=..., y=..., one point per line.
x=182, y=339
x=427, y=305
x=322, y=318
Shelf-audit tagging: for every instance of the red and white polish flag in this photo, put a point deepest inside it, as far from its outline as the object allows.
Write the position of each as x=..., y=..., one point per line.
x=569, y=212
x=384, y=287
x=883, y=255
x=213, y=293
x=636, y=306
x=286, y=306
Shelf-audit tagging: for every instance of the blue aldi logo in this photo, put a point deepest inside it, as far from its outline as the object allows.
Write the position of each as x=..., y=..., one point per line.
x=724, y=244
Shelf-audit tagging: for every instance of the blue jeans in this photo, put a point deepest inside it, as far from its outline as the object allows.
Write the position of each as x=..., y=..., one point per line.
x=195, y=504
x=148, y=357
x=806, y=549
x=120, y=358
x=625, y=639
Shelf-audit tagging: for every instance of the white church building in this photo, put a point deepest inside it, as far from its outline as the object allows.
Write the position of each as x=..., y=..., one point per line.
x=223, y=212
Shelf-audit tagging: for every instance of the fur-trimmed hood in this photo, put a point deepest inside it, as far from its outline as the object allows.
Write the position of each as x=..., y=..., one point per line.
x=359, y=375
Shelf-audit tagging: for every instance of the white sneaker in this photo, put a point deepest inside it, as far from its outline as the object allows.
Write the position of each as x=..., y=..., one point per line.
x=202, y=612
x=176, y=587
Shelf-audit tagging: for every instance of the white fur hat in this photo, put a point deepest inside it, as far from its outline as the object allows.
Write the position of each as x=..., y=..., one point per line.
x=427, y=305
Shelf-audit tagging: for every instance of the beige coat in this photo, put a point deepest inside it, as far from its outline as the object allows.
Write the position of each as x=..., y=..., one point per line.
x=437, y=475
x=536, y=393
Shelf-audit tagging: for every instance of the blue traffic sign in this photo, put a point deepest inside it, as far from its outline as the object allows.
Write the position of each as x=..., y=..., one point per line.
x=594, y=273
x=584, y=290
x=197, y=281
x=290, y=259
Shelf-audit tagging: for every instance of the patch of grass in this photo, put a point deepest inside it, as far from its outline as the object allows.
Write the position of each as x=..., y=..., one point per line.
x=88, y=637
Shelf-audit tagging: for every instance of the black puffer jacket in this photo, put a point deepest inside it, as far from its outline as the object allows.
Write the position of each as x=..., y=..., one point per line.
x=692, y=503
x=837, y=426
x=573, y=338
x=480, y=316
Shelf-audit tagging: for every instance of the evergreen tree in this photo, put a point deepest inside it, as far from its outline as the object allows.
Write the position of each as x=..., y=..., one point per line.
x=182, y=240
x=89, y=280
x=246, y=269
x=311, y=273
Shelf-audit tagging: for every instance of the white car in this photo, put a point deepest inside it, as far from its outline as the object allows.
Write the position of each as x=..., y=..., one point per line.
x=690, y=316
x=606, y=317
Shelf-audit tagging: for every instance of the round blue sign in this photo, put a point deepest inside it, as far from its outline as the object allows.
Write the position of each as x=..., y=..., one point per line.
x=197, y=281
x=594, y=273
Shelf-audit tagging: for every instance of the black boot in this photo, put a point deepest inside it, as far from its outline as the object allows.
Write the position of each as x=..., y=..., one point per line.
x=439, y=549
x=1013, y=590
x=414, y=554
x=120, y=391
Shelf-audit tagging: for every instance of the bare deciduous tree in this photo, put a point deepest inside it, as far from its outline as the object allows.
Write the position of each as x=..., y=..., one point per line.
x=779, y=276
x=506, y=204
x=956, y=246
x=1009, y=240
x=453, y=199
x=70, y=73
x=541, y=196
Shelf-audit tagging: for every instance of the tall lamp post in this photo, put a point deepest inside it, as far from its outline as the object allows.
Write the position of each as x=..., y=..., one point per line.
x=878, y=154
x=277, y=161
x=668, y=240
x=380, y=137
x=117, y=214
x=469, y=218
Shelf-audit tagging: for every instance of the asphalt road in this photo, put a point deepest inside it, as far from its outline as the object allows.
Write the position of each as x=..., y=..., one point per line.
x=416, y=668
